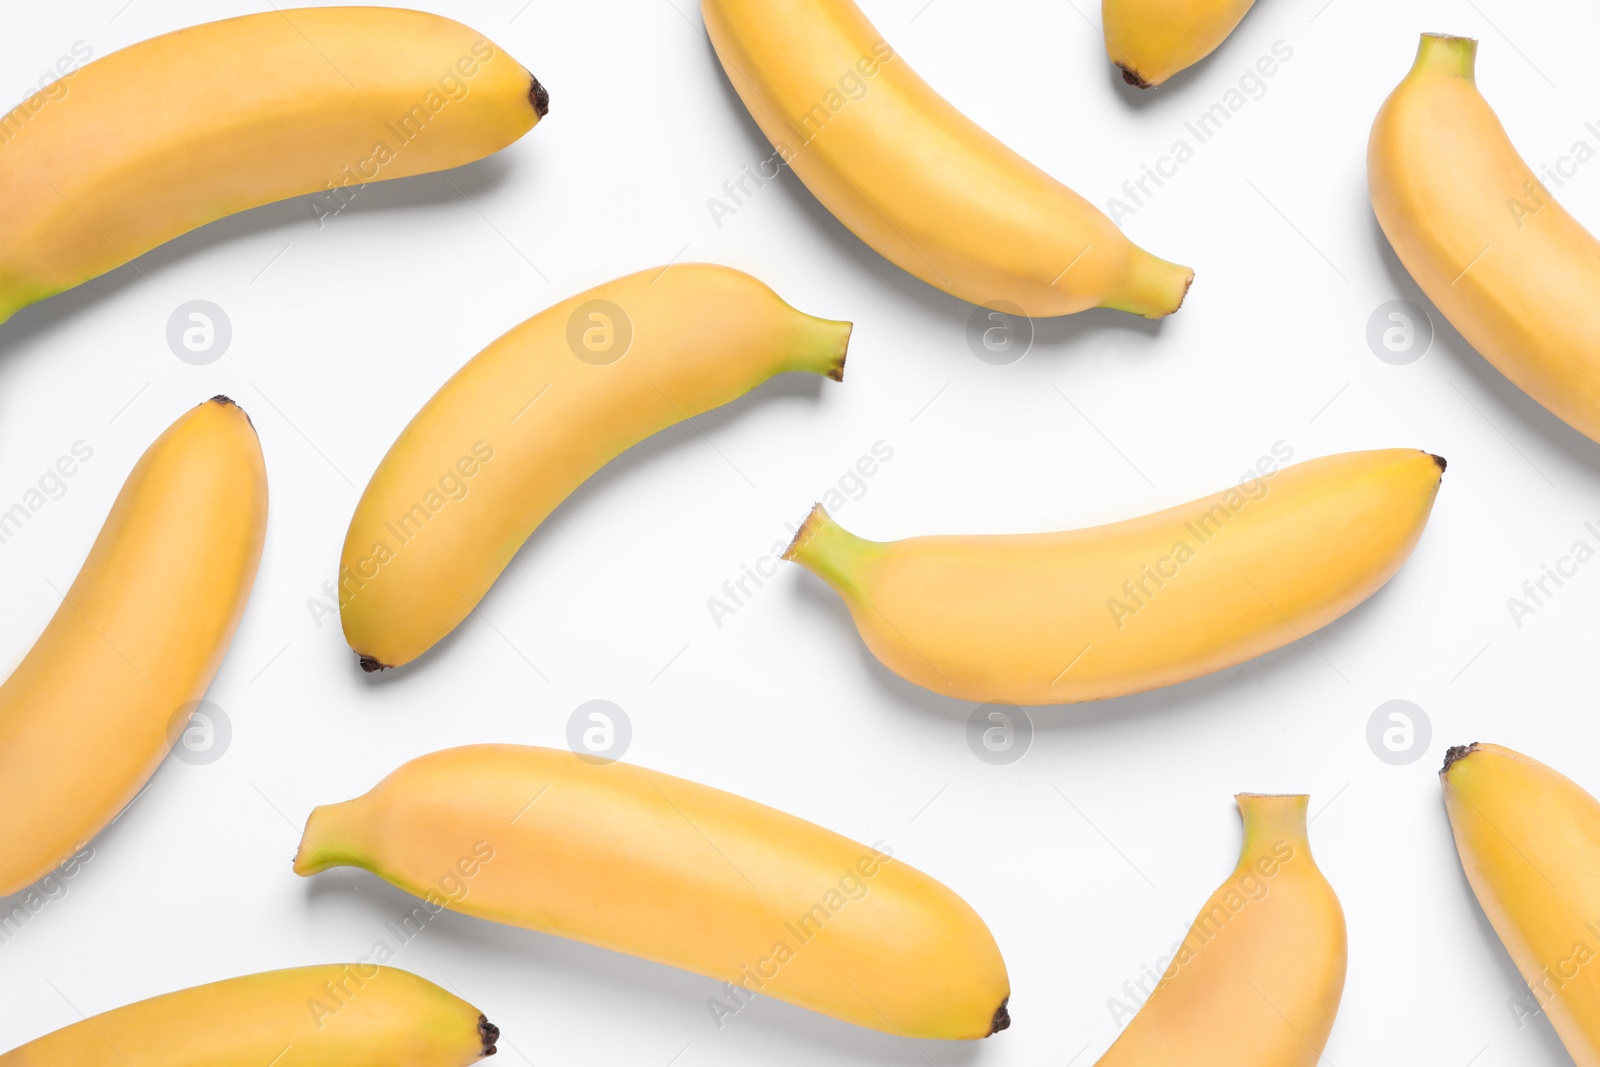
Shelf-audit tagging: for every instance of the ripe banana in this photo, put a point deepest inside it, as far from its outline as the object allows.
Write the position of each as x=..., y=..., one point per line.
x=1151, y=40
x=917, y=180
x=644, y=863
x=1257, y=981
x=1088, y=614
x=90, y=713
x=353, y=1015
x=1483, y=237
x=1529, y=840
x=178, y=131
x=532, y=416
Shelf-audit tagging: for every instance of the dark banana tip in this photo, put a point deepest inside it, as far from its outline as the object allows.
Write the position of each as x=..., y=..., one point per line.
x=372, y=665
x=539, y=96
x=1002, y=1019
x=1456, y=755
x=490, y=1034
x=1133, y=77
x=1440, y=461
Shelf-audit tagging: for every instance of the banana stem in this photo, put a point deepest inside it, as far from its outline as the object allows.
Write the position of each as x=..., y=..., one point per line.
x=1440, y=53
x=1272, y=820
x=1153, y=287
x=328, y=840
x=827, y=549
x=822, y=348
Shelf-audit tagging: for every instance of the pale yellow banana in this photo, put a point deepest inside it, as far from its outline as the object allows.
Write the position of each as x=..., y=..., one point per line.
x=339, y=1015
x=529, y=418
x=1151, y=40
x=90, y=713
x=1529, y=841
x=640, y=862
x=1102, y=612
x=178, y=131
x=1257, y=981
x=917, y=180
x=1483, y=236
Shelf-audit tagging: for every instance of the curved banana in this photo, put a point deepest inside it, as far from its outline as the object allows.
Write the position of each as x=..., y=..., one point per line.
x=1482, y=236
x=1257, y=981
x=640, y=862
x=90, y=713
x=167, y=135
x=1529, y=841
x=352, y=1015
x=1151, y=40
x=1088, y=614
x=532, y=416
x=917, y=180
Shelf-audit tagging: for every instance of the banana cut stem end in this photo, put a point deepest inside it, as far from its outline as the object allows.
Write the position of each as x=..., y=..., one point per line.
x=1455, y=755
x=1447, y=54
x=815, y=519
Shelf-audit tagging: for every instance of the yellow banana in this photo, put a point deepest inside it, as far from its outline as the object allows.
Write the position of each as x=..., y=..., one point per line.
x=1151, y=40
x=339, y=1015
x=178, y=131
x=1102, y=612
x=1257, y=981
x=1483, y=237
x=676, y=872
x=1529, y=840
x=916, y=179
x=529, y=418
x=90, y=713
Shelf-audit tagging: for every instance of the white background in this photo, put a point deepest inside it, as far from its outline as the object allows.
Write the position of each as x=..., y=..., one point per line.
x=1089, y=857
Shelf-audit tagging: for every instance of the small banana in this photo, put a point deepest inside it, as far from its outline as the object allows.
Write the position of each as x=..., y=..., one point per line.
x=1483, y=237
x=655, y=866
x=92, y=710
x=1529, y=841
x=1088, y=614
x=1257, y=981
x=167, y=135
x=917, y=180
x=532, y=416
x=1151, y=40
x=349, y=1015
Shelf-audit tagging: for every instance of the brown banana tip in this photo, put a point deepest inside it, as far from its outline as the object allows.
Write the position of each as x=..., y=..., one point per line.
x=836, y=372
x=372, y=665
x=804, y=533
x=490, y=1033
x=1133, y=77
x=1002, y=1019
x=1440, y=461
x=539, y=96
x=230, y=402
x=1455, y=755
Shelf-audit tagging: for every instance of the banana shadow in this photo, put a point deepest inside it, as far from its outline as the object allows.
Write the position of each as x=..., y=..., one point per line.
x=658, y=449
x=602, y=973
x=1061, y=331
x=1509, y=400
x=399, y=195
x=1208, y=691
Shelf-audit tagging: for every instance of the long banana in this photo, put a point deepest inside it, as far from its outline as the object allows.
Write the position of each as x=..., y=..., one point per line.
x=676, y=872
x=349, y=1015
x=1529, y=841
x=90, y=713
x=1257, y=981
x=1151, y=40
x=1482, y=235
x=178, y=131
x=1103, y=612
x=916, y=179
x=528, y=419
